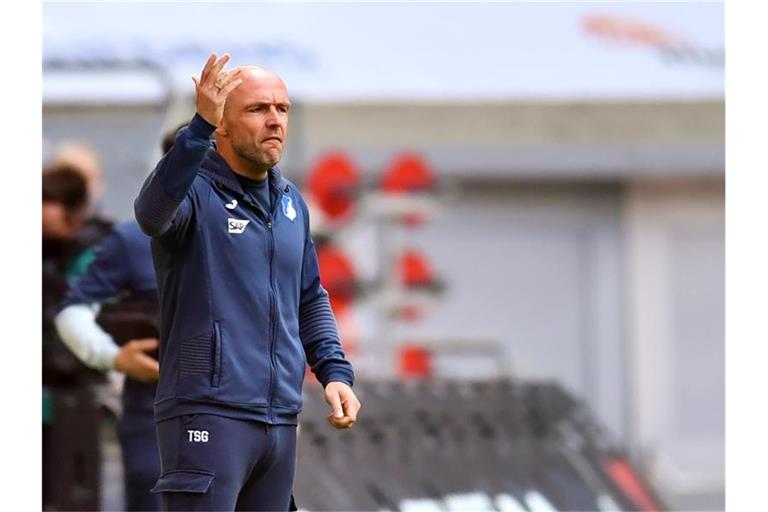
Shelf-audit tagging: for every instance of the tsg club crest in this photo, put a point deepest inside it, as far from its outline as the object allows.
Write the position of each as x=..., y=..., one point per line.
x=288, y=209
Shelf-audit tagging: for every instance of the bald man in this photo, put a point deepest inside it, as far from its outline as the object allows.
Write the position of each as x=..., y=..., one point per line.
x=242, y=307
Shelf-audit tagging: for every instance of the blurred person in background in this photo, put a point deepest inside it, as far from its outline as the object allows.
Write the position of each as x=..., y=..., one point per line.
x=65, y=254
x=122, y=278
x=242, y=308
x=83, y=158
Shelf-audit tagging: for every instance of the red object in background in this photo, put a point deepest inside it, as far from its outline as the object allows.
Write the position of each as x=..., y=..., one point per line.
x=625, y=30
x=413, y=219
x=415, y=270
x=410, y=313
x=624, y=476
x=334, y=181
x=337, y=274
x=408, y=173
x=415, y=362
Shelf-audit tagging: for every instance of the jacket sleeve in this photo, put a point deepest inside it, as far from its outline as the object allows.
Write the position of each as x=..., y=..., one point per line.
x=105, y=278
x=317, y=325
x=162, y=205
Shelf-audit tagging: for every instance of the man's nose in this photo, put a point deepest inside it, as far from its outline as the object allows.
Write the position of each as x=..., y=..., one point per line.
x=273, y=117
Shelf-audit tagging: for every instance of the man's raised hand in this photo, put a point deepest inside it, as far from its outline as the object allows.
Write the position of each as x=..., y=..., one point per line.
x=212, y=88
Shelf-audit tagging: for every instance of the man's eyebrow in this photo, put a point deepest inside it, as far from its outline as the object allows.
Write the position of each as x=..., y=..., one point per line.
x=262, y=103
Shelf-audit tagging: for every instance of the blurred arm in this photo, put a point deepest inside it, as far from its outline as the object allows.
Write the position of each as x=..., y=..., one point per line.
x=106, y=278
x=77, y=327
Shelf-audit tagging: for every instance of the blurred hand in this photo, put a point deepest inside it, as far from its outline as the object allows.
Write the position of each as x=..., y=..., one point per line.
x=132, y=360
x=344, y=404
x=212, y=88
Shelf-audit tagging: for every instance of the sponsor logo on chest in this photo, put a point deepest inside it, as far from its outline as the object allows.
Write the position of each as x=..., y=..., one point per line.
x=236, y=226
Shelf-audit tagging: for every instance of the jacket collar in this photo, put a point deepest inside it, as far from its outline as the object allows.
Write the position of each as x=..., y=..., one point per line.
x=217, y=169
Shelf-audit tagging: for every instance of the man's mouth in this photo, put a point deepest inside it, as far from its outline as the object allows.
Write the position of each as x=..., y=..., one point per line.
x=272, y=138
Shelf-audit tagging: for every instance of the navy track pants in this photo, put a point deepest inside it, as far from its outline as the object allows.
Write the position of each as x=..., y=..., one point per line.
x=138, y=443
x=141, y=460
x=212, y=462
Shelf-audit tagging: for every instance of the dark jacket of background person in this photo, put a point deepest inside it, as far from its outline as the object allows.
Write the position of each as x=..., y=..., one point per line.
x=67, y=399
x=66, y=253
x=254, y=309
x=122, y=279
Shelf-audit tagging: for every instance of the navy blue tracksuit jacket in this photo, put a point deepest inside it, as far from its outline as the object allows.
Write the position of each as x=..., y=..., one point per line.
x=242, y=307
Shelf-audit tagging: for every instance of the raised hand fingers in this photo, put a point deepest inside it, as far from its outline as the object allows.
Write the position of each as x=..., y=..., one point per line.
x=219, y=65
x=226, y=77
x=213, y=66
x=207, y=69
x=229, y=87
x=212, y=88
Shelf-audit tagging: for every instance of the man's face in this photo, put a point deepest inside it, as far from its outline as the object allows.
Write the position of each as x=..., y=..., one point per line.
x=256, y=119
x=60, y=223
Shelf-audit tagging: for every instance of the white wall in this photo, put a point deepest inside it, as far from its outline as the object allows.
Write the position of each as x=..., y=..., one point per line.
x=675, y=317
x=537, y=269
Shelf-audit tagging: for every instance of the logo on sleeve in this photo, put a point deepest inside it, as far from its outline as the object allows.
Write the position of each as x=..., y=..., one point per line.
x=232, y=205
x=236, y=226
x=288, y=209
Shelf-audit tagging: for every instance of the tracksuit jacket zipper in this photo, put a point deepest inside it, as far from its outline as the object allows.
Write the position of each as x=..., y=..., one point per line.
x=267, y=219
x=273, y=319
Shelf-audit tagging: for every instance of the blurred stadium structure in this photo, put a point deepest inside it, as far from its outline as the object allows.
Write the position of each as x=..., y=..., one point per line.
x=581, y=238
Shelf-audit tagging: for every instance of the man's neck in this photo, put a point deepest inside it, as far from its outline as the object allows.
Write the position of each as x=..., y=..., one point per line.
x=251, y=175
x=244, y=167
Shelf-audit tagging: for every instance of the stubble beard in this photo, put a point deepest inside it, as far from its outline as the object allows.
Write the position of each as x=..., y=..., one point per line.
x=259, y=161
